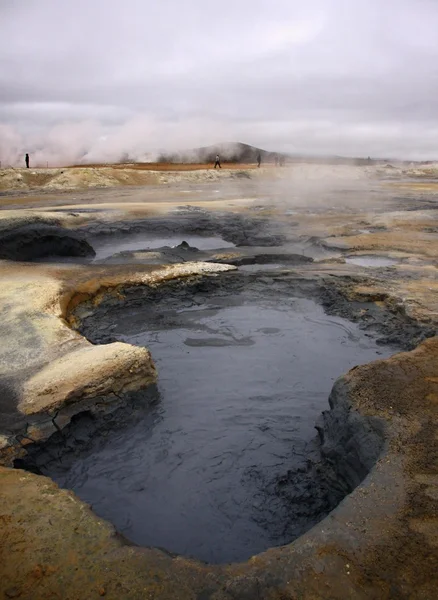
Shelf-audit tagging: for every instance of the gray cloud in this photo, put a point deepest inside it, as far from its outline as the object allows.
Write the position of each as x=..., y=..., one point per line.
x=98, y=79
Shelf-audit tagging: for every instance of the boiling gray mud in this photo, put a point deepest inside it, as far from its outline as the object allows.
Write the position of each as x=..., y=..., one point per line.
x=242, y=380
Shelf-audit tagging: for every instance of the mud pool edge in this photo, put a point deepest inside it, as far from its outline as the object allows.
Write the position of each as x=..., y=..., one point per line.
x=350, y=443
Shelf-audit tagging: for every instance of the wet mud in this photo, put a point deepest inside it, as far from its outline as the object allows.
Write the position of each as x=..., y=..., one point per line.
x=125, y=249
x=236, y=229
x=371, y=261
x=222, y=460
x=37, y=241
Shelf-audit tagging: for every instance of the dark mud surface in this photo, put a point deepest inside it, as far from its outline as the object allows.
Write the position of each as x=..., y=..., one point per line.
x=376, y=316
x=121, y=246
x=224, y=463
x=36, y=241
x=236, y=229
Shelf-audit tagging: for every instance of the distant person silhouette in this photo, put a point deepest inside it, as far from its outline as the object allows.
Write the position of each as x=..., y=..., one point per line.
x=259, y=159
x=26, y=158
x=217, y=162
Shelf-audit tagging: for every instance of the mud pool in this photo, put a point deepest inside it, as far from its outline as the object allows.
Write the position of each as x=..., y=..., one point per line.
x=371, y=261
x=145, y=242
x=225, y=463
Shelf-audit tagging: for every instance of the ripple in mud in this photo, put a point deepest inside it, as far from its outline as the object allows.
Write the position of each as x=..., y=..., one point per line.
x=226, y=464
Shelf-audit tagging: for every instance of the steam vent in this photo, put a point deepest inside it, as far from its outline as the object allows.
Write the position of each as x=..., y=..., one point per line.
x=219, y=384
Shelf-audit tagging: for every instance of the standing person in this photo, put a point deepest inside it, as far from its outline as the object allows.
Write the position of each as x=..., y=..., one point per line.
x=259, y=159
x=26, y=158
x=217, y=162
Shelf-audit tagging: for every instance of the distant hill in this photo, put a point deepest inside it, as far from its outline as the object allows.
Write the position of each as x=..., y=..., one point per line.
x=234, y=152
x=237, y=152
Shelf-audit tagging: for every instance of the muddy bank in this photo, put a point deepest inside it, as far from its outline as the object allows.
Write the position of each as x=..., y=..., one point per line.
x=375, y=311
x=48, y=372
x=39, y=241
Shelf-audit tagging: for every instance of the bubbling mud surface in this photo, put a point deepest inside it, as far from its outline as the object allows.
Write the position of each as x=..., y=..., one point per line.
x=242, y=381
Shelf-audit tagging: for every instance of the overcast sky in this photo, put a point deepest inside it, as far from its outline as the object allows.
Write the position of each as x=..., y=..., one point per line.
x=98, y=78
